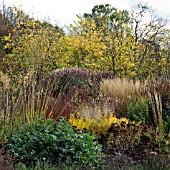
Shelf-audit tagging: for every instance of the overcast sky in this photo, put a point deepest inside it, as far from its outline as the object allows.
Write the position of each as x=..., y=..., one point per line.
x=63, y=12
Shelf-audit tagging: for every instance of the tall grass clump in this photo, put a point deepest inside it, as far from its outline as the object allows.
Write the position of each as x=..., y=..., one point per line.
x=158, y=92
x=21, y=103
x=76, y=80
x=121, y=91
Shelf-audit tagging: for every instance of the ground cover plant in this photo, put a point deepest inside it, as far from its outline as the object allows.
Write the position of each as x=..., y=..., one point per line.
x=54, y=141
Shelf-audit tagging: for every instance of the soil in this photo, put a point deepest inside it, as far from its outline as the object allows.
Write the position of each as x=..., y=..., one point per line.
x=6, y=160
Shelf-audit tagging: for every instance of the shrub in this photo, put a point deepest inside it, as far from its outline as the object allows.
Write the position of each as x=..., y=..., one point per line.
x=119, y=134
x=53, y=141
x=130, y=138
x=138, y=110
x=99, y=126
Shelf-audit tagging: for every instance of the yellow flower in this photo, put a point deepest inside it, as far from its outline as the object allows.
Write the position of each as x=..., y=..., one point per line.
x=123, y=119
x=6, y=38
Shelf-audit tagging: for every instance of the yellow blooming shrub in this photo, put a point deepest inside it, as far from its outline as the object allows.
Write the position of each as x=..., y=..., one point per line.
x=98, y=125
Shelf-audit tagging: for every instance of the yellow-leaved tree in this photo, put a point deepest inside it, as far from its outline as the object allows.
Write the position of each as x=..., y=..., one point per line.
x=32, y=48
x=132, y=44
x=83, y=47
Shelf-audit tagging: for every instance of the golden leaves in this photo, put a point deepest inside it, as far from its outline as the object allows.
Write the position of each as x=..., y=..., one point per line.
x=85, y=50
x=32, y=46
x=99, y=125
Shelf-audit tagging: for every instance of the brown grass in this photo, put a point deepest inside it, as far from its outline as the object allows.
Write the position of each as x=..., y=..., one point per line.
x=96, y=108
x=4, y=80
x=23, y=104
x=121, y=91
x=121, y=88
x=158, y=93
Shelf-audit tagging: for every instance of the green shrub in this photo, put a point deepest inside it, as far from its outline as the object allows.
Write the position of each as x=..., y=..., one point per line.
x=54, y=141
x=138, y=110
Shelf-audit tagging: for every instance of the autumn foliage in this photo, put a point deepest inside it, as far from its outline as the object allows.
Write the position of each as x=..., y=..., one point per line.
x=107, y=43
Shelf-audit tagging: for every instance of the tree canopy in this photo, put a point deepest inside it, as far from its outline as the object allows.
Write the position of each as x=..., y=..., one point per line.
x=106, y=39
